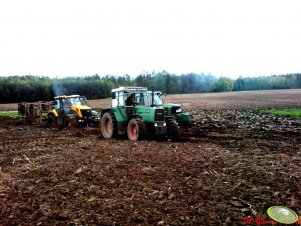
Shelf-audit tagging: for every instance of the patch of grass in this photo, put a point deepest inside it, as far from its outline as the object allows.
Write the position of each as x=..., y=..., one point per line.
x=9, y=113
x=286, y=112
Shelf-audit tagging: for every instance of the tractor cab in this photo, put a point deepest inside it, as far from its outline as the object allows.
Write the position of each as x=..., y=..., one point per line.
x=157, y=97
x=71, y=103
x=120, y=95
x=128, y=99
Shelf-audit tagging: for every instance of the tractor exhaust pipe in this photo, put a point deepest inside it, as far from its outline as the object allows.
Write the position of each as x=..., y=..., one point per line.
x=153, y=96
x=61, y=113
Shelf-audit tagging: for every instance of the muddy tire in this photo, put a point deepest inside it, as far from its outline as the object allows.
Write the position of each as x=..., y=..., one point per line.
x=52, y=122
x=135, y=129
x=67, y=122
x=173, y=129
x=108, y=126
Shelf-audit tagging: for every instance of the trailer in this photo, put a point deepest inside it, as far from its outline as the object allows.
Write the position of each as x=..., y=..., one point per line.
x=34, y=113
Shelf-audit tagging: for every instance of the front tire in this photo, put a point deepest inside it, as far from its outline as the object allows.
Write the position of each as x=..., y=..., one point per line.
x=135, y=129
x=67, y=122
x=173, y=129
x=52, y=122
x=108, y=126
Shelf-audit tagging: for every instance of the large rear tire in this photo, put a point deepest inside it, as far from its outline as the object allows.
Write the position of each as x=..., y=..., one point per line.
x=135, y=129
x=52, y=121
x=173, y=129
x=108, y=126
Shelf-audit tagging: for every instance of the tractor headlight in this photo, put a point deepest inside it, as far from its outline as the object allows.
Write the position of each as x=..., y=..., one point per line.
x=179, y=110
x=156, y=124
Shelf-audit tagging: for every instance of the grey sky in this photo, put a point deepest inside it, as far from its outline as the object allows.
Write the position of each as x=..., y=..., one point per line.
x=231, y=38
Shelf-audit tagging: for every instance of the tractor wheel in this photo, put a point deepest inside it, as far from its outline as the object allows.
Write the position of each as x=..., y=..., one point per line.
x=173, y=130
x=67, y=122
x=52, y=122
x=135, y=129
x=108, y=125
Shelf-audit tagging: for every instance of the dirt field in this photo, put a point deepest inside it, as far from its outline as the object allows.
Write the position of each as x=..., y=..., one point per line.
x=232, y=162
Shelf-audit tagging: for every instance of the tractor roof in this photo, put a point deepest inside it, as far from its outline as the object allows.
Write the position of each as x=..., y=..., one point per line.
x=130, y=89
x=155, y=92
x=65, y=97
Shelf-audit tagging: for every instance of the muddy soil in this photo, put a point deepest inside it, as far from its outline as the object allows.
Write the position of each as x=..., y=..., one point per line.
x=228, y=165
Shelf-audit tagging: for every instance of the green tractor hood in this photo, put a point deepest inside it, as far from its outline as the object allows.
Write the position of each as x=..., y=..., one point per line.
x=181, y=117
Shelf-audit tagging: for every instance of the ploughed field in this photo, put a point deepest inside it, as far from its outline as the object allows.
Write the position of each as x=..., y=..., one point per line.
x=232, y=162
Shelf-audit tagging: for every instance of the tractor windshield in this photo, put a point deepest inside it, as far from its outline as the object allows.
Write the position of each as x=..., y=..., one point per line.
x=157, y=97
x=157, y=100
x=141, y=98
x=82, y=101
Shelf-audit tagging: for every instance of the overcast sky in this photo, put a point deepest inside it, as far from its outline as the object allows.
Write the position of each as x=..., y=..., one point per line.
x=224, y=38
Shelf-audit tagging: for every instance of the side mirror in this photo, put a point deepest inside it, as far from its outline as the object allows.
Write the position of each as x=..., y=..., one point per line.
x=113, y=95
x=55, y=102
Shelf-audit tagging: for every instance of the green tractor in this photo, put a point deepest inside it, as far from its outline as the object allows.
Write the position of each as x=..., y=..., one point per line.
x=132, y=112
x=183, y=118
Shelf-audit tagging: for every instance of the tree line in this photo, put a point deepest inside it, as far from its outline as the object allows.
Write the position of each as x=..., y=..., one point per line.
x=33, y=88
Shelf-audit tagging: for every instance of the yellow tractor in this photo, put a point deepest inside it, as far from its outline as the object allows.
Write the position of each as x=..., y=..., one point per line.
x=72, y=109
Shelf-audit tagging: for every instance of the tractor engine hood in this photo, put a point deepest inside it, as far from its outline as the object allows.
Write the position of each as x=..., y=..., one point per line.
x=78, y=108
x=169, y=105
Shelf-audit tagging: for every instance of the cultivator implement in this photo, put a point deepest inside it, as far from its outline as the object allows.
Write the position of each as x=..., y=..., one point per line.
x=34, y=113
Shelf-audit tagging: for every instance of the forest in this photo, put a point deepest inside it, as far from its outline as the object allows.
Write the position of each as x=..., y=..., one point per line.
x=33, y=88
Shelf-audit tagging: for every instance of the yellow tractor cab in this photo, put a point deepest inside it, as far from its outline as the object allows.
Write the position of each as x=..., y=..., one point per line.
x=73, y=108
